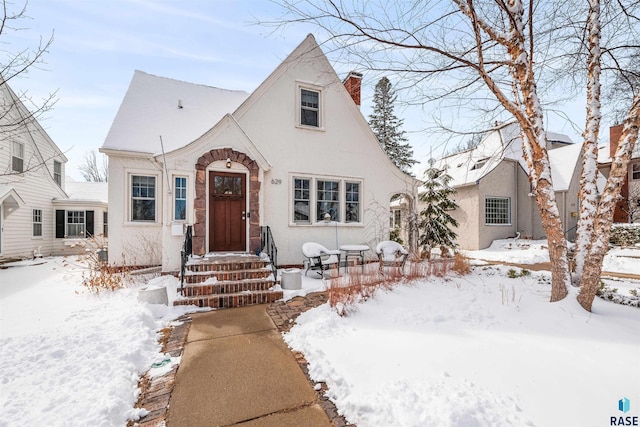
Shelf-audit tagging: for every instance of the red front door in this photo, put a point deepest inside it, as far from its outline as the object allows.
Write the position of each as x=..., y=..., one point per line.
x=227, y=212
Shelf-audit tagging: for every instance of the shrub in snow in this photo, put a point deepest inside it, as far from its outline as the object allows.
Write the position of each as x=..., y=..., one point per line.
x=625, y=234
x=611, y=294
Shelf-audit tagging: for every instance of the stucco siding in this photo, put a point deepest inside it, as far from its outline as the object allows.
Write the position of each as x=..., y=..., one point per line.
x=499, y=183
x=467, y=214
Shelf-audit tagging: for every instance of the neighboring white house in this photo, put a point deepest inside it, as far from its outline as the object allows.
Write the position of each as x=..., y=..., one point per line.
x=493, y=191
x=229, y=163
x=82, y=214
x=32, y=188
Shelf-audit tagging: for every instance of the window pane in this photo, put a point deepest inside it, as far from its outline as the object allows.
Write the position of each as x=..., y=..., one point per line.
x=497, y=210
x=301, y=200
x=37, y=222
x=309, y=108
x=328, y=200
x=352, y=196
x=635, y=171
x=143, y=202
x=180, y=199
x=75, y=224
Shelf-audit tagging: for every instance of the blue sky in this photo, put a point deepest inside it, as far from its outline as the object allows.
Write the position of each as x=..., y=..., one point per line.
x=99, y=44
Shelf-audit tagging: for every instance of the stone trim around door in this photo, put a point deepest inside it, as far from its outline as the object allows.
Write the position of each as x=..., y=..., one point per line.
x=200, y=202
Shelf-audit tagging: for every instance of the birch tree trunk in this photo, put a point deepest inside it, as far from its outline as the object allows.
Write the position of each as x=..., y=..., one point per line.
x=588, y=189
x=604, y=215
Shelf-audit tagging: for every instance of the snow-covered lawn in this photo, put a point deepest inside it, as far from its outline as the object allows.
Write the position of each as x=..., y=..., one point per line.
x=478, y=350
x=68, y=357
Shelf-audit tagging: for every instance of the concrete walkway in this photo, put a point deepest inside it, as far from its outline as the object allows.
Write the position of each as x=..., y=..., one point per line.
x=236, y=369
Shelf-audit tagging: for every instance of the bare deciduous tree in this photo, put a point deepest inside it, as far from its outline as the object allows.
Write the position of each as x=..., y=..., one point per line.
x=495, y=53
x=91, y=171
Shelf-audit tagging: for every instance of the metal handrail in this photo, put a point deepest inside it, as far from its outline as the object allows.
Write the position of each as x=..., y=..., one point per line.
x=187, y=250
x=268, y=246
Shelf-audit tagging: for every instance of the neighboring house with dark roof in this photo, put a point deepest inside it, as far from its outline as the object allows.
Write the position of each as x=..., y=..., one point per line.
x=493, y=191
x=230, y=163
x=38, y=208
x=628, y=206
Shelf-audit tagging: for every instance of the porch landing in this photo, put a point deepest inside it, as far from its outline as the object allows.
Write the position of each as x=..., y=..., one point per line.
x=228, y=280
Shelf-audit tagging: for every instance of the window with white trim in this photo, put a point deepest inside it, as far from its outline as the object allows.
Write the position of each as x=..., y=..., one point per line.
x=395, y=219
x=143, y=198
x=352, y=202
x=314, y=198
x=301, y=200
x=17, y=158
x=635, y=171
x=180, y=198
x=497, y=211
x=37, y=223
x=75, y=224
x=57, y=172
x=309, y=108
x=105, y=224
x=328, y=200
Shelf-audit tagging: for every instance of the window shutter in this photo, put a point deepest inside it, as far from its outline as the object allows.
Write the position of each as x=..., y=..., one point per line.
x=88, y=217
x=59, y=224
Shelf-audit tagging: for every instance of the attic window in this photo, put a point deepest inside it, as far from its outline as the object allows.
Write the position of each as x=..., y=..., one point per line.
x=309, y=108
x=480, y=163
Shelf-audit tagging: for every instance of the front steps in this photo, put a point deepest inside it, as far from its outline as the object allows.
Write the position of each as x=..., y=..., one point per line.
x=225, y=281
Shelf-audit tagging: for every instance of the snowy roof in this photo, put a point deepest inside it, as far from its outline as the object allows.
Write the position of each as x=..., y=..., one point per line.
x=469, y=166
x=87, y=191
x=178, y=111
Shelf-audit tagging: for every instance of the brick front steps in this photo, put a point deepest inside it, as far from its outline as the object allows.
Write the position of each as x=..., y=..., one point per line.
x=225, y=281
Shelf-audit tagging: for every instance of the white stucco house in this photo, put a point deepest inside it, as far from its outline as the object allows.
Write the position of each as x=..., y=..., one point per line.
x=231, y=163
x=37, y=213
x=493, y=191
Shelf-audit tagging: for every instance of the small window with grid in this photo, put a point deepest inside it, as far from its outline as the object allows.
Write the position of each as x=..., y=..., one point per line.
x=37, y=223
x=497, y=211
x=301, y=200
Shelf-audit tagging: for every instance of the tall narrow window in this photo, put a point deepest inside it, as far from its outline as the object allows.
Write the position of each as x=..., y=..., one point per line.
x=352, y=202
x=105, y=224
x=75, y=224
x=37, y=223
x=57, y=172
x=497, y=210
x=17, y=159
x=143, y=198
x=309, y=108
x=328, y=200
x=180, y=198
x=301, y=200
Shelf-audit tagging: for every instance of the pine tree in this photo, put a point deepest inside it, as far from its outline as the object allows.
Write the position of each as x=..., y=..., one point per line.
x=387, y=127
x=435, y=225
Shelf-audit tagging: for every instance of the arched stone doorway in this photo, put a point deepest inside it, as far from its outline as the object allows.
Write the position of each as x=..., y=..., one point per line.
x=201, y=200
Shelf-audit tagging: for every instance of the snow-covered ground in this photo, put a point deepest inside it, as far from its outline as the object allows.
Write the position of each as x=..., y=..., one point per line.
x=68, y=357
x=481, y=349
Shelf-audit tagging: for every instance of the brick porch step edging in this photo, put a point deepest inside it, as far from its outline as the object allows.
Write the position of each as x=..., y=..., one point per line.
x=193, y=277
x=222, y=288
x=232, y=300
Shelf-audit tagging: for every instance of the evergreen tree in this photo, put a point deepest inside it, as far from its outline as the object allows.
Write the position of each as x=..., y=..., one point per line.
x=387, y=127
x=435, y=225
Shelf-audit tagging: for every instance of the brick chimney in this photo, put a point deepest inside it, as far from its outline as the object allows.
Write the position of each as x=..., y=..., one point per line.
x=352, y=84
x=614, y=136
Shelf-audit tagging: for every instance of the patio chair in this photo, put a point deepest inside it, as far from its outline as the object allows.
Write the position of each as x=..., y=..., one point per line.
x=320, y=258
x=391, y=254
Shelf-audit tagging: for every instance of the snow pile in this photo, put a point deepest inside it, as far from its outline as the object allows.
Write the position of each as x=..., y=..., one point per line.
x=70, y=357
x=481, y=350
x=515, y=251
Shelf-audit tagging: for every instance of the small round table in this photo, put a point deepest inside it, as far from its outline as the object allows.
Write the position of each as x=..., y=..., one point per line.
x=353, y=251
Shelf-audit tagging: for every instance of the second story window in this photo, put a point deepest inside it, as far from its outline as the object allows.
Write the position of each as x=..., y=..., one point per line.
x=17, y=158
x=57, y=172
x=309, y=108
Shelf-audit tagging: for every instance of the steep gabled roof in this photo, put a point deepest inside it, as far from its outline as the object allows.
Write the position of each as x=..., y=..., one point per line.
x=470, y=166
x=178, y=111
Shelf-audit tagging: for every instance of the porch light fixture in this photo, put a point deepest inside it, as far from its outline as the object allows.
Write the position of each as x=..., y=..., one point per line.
x=228, y=163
